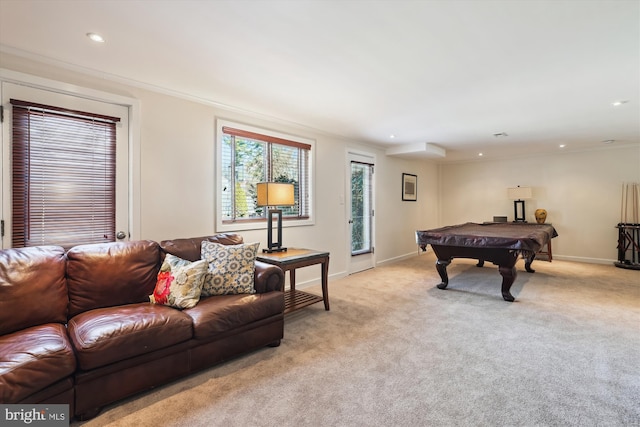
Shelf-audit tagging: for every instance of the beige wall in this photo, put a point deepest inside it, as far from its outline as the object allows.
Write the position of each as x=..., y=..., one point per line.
x=580, y=191
x=176, y=184
x=176, y=170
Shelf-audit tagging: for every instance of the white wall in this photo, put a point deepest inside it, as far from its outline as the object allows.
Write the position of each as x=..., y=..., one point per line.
x=580, y=191
x=177, y=173
x=397, y=226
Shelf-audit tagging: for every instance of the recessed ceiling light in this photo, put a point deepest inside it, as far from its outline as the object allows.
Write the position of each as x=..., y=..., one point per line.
x=619, y=103
x=392, y=136
x=95, y=37
x=480, y=154
x=562, y=145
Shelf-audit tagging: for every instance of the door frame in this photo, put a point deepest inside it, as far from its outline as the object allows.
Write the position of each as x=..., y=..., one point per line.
x=366, y=261
x=133, y=107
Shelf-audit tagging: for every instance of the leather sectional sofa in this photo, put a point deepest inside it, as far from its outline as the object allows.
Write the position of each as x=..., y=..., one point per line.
x=77, y=326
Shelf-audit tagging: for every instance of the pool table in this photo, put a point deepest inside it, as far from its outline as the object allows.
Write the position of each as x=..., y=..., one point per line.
x=500, y=243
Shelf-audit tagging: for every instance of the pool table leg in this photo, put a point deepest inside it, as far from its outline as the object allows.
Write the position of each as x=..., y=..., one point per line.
x=527, y=263
x=508, y=277
x=441, y=266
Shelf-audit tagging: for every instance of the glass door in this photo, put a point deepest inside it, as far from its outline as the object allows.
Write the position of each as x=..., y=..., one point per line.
x=361, y=212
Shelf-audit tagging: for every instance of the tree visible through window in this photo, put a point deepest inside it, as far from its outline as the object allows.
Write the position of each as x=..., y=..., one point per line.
x=63, y=176
x=249, y=158
x=361, y=176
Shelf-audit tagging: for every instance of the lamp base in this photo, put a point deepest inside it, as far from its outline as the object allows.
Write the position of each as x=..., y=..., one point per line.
x=270, y=251
x=518, y=213
x=271, y=245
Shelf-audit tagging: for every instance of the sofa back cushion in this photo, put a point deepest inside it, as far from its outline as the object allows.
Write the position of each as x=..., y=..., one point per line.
x=189, y=249
x=33, y=289
x=111, y=274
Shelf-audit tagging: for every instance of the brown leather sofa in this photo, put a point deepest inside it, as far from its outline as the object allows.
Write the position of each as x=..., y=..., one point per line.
x=77, y=327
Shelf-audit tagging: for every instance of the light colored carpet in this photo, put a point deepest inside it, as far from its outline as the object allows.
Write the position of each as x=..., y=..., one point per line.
x=396, y=351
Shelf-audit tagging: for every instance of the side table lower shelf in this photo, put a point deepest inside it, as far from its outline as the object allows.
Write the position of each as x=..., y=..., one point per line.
x=294, y=300
x=291, y=260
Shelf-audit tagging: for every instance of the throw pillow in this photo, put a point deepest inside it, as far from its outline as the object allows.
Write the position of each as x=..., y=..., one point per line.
x=179, y=282
x=231, y=268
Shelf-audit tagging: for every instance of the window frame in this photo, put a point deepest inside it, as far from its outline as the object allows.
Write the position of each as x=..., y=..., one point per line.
x=134, y=210
x=258, y=224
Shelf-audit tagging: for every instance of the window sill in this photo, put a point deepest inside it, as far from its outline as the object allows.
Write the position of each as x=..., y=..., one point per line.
x=224, y=227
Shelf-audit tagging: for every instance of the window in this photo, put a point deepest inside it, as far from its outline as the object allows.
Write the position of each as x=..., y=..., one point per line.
x=63, y=176
x=361, y=207
x=249, y=156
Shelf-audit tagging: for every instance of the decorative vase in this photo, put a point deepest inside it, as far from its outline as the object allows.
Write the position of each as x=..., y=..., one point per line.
x=541, y=216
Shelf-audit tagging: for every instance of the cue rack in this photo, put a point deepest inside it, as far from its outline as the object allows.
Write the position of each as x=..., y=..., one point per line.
x=629, y=228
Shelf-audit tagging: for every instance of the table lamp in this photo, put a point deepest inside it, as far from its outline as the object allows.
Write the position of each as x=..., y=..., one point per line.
x=519, y=194
x=272, y=194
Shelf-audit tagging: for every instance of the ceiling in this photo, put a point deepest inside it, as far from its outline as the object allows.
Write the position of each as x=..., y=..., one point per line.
x=443, y=77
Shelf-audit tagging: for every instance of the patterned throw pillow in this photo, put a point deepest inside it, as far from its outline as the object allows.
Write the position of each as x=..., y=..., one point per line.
x=179, y=282
x=231, y=268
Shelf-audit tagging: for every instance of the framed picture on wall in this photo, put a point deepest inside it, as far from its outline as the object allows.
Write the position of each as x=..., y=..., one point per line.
x=409, y=187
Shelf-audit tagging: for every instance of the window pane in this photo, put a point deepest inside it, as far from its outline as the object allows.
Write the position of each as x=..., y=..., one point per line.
x=248, y=158
x=361, y=180
x=284, y=168
x=249, y=170
x=227, y=173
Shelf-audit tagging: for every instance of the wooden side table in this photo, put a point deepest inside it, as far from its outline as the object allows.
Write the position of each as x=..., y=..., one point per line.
x=289, y=261
x=547, y=252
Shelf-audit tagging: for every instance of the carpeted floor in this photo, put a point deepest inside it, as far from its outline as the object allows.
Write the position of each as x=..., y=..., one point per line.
x=396, y=351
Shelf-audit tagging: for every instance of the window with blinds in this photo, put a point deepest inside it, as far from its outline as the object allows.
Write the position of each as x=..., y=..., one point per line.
x=63, y=176
x=248, y=158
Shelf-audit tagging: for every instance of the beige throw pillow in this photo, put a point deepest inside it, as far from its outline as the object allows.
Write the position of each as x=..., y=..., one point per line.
x=231, y=268
x=179, y=282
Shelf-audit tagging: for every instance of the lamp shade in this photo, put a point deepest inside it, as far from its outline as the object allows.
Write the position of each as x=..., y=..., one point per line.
x=275, y=194
x=519, y=193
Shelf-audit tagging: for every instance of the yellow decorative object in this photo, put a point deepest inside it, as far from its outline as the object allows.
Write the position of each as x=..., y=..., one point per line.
x=541, y=216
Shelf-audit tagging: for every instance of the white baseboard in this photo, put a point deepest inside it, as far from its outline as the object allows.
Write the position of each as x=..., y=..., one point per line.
x=400, y=258
x=584, y=259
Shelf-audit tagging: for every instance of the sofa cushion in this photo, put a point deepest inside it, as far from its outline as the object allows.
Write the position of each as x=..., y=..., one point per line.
x=32, y=359
x=111, y=274
x=189, y=248
x=231, y=268
x=219, y=314
x=106, y=335
x=33, y=289
x=179, y=282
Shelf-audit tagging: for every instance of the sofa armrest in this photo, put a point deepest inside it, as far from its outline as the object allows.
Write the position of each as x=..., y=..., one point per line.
x=268, y=278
